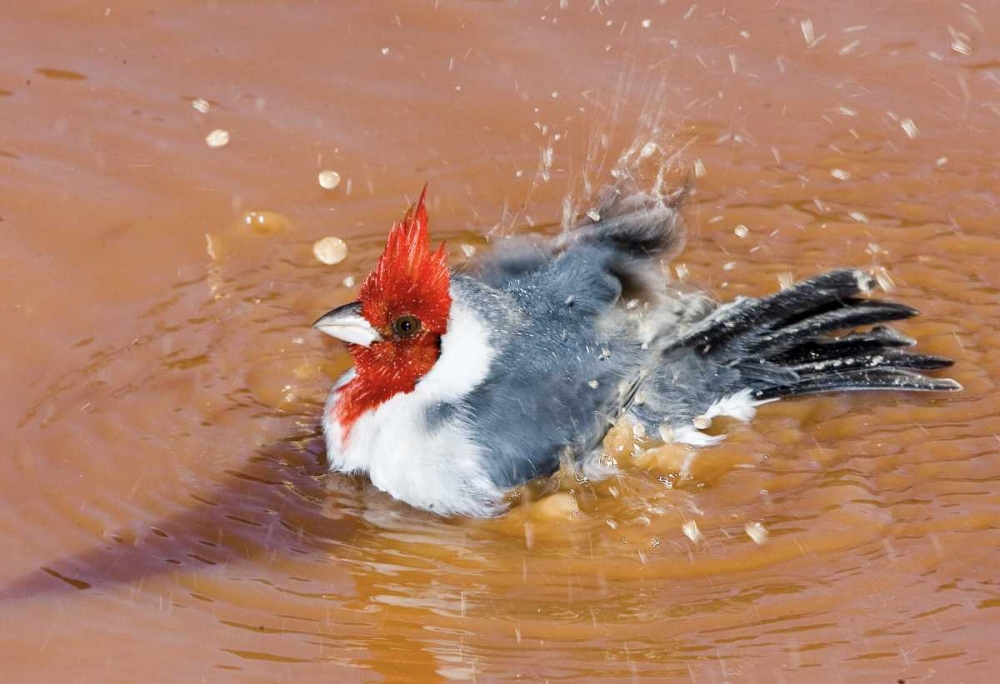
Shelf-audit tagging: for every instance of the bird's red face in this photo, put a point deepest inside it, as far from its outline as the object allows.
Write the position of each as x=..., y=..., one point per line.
x=394, y=329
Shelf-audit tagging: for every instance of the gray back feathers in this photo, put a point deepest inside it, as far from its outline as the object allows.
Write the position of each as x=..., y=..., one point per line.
x=571, y=358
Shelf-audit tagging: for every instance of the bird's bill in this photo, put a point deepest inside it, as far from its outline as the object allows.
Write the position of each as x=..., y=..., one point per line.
x=348, y=324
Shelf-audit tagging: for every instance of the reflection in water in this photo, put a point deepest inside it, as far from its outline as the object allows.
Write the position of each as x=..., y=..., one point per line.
x=60, y=74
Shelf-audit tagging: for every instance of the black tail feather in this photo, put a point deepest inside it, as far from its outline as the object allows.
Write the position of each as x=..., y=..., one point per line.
x=783, y=345
x=743, y=316
x=857, y=380
x=893, y=358
x=850, y=313
x=879, y=337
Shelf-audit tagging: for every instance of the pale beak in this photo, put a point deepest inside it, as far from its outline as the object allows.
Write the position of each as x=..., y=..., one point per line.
x=346, y=323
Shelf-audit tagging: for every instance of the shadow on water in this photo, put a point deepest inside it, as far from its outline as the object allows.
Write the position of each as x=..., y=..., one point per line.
x=281, y=504
x=276, y=503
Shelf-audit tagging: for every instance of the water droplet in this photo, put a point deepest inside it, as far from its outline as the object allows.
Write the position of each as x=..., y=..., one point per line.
x=691, y=531
x=330, y=250
x=217, y=138
x=757, y=532
x=329, y=180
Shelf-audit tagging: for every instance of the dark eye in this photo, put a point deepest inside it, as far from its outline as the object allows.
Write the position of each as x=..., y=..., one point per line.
x=406, y=326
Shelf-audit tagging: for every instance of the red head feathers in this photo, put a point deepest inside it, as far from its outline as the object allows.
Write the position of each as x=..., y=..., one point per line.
x=406, y=299
x=409, y=278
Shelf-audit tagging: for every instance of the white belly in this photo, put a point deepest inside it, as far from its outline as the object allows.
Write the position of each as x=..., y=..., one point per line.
x=440, y=469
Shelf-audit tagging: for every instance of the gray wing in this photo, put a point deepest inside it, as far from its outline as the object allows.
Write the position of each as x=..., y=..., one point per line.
x=568, y=355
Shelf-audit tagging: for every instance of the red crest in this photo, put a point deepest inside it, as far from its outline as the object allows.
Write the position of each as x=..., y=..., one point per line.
x=409, y=278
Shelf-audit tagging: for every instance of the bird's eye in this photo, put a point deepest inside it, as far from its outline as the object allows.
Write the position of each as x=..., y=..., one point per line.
x=406, y=326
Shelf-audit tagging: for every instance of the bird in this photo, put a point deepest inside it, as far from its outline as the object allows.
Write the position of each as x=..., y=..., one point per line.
x=469, y=382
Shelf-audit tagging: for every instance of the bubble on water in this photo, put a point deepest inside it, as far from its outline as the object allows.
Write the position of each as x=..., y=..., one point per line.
x=348, y=281
x=217, y=138
x=858, y=216
x=741, y=231
x=330, y=250
x=785, y=280
x=909, y=128
x=201, y=105
x=646, y=23
x=385, y=51
x=757, y=532
x=840, y=174
x=594, y=215
x=329, y=180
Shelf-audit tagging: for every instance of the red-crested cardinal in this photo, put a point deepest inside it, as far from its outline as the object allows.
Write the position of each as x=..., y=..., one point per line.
x=467, y=383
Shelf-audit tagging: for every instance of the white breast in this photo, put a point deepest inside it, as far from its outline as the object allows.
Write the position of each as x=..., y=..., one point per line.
x=441, y=470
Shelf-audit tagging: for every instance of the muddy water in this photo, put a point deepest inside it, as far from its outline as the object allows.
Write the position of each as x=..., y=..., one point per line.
x=164, y=508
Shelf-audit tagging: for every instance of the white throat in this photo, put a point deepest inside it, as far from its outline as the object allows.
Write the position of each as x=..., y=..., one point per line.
x=437, y=467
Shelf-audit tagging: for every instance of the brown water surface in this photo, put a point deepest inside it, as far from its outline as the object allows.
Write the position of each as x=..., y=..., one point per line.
x=164, y=508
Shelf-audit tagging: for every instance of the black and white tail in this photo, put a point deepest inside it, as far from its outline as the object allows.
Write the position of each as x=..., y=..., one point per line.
x=783, y=345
